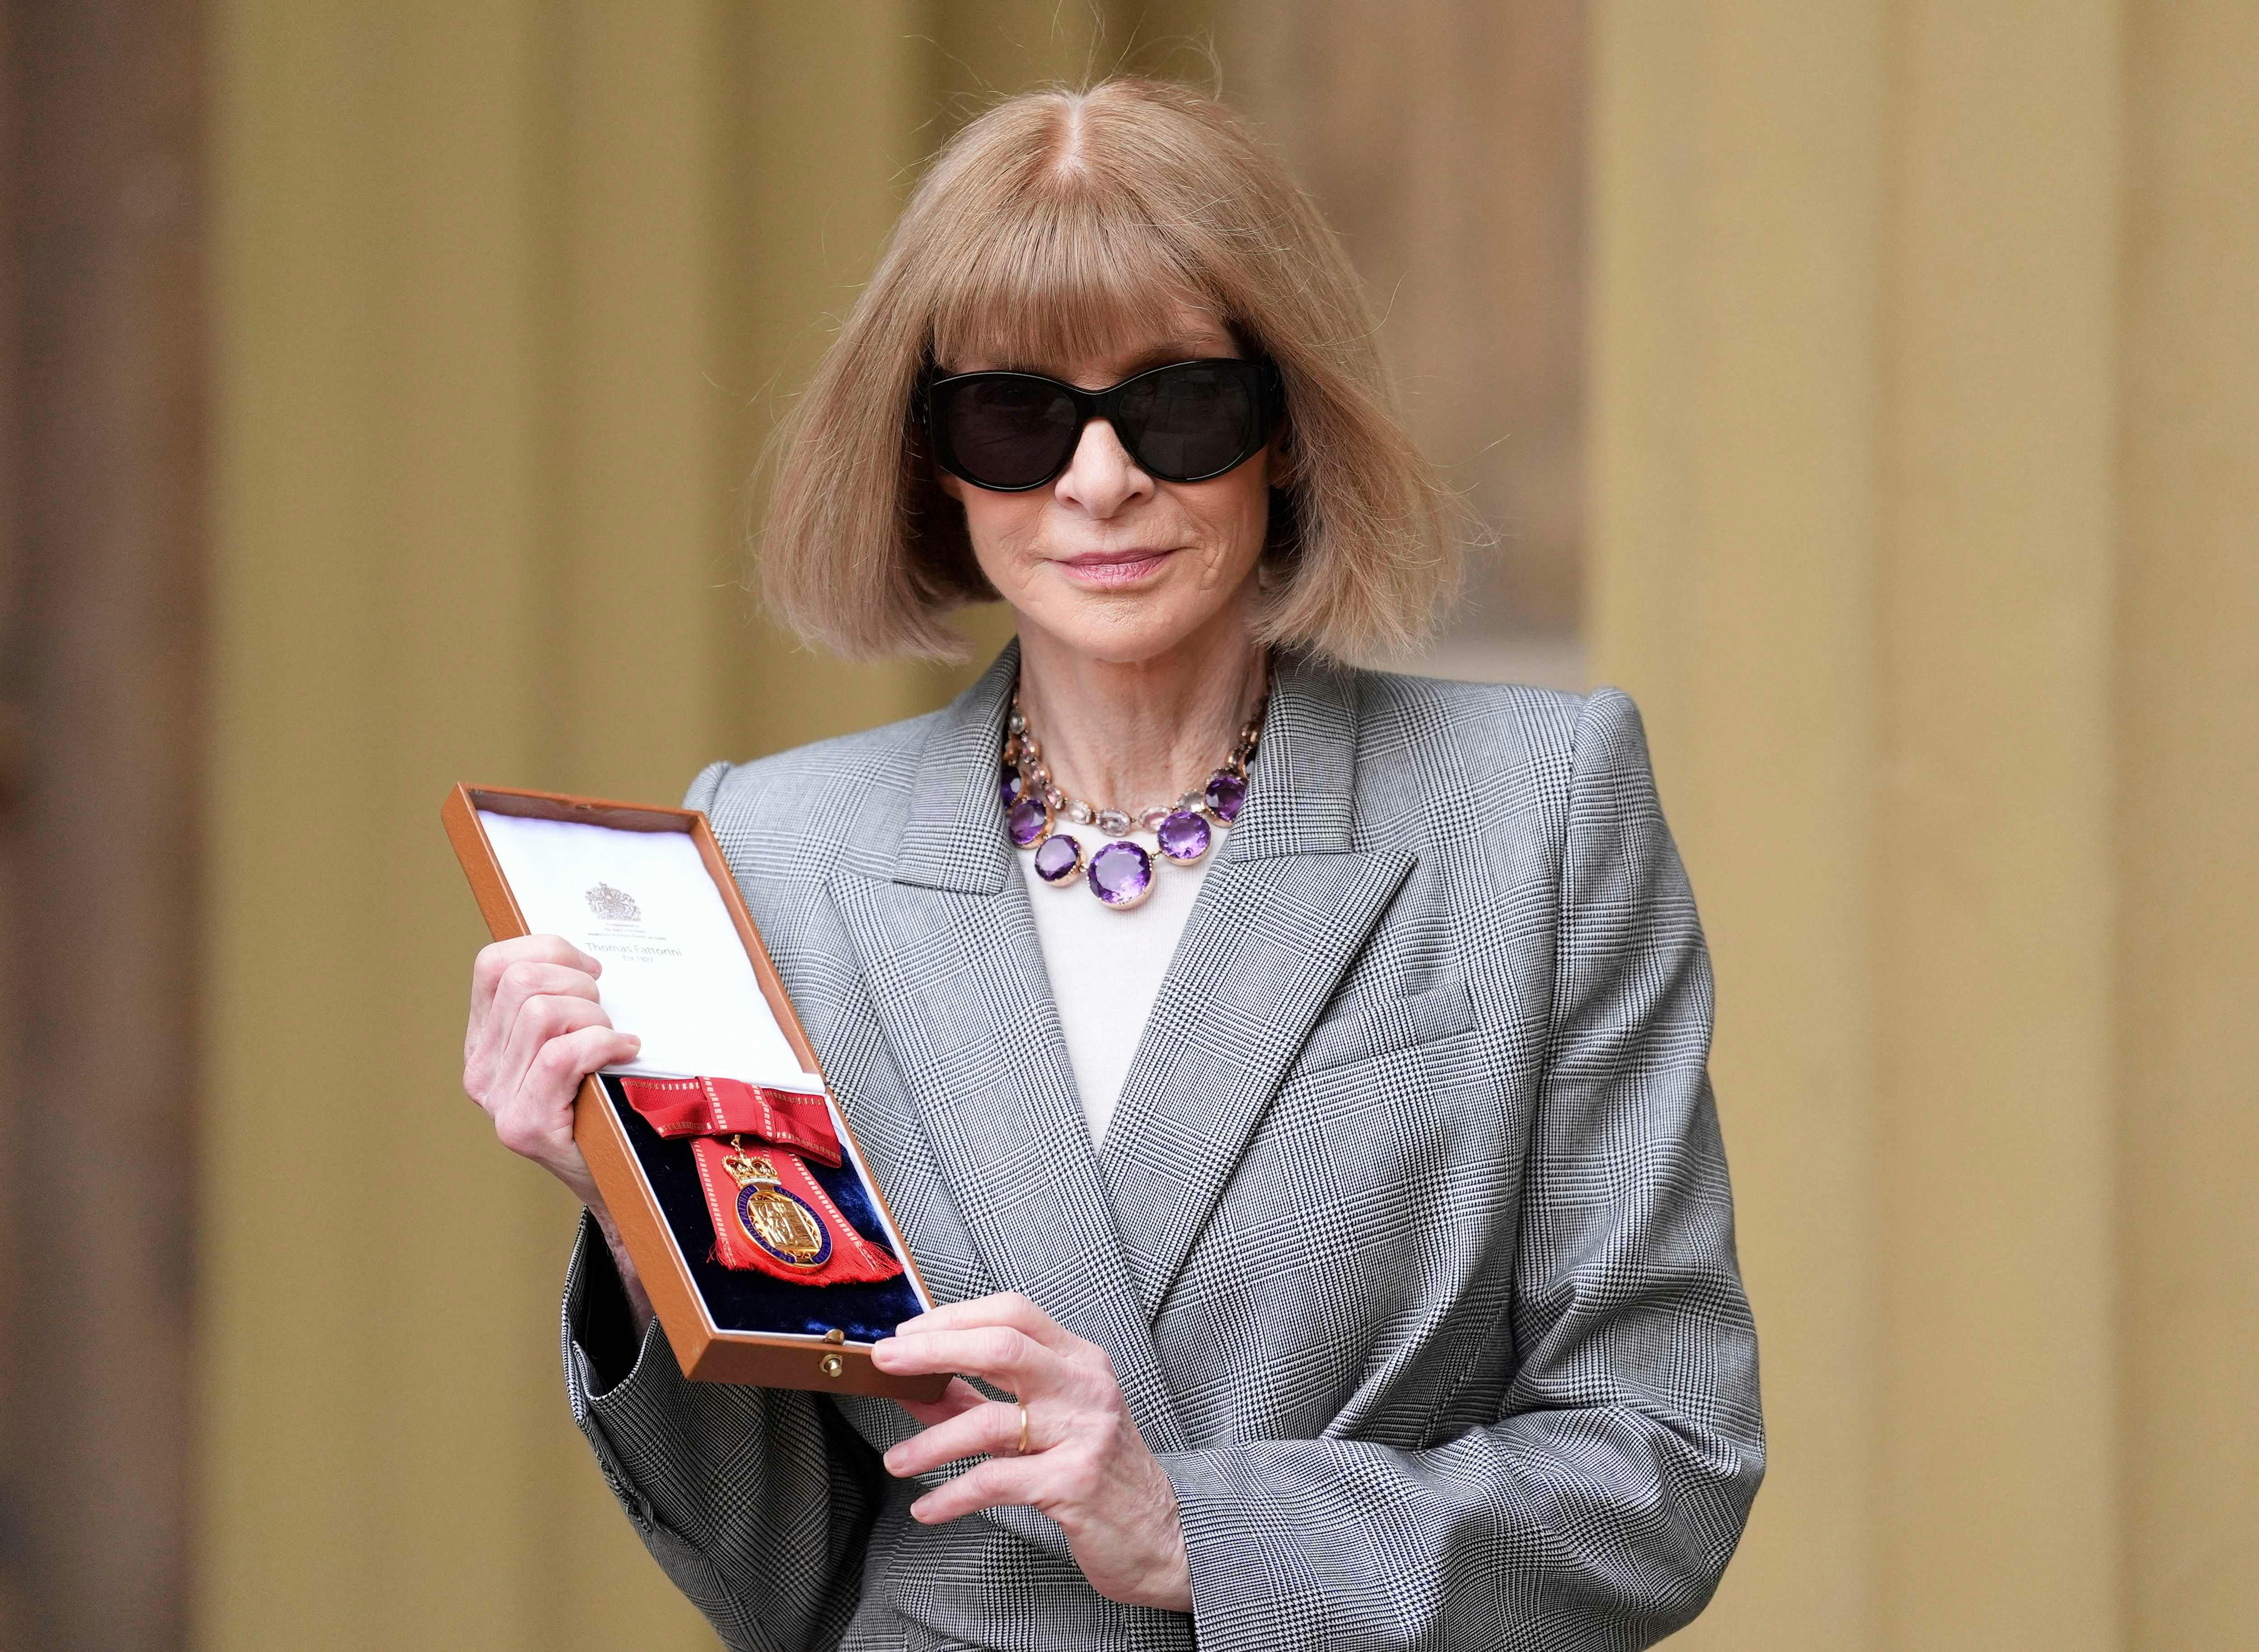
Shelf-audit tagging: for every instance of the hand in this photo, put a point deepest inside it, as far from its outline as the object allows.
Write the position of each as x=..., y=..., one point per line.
x=536, y=1030
x=1086, y=1465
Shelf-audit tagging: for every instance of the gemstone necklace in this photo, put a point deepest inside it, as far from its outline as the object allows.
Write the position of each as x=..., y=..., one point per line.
x=1119, y=873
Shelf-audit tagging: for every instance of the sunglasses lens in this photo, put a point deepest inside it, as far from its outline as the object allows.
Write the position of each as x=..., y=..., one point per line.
x=1196, y=419
x=1009, y=432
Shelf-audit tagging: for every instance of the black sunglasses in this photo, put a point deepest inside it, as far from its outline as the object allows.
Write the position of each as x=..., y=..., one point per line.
x=1188, y=422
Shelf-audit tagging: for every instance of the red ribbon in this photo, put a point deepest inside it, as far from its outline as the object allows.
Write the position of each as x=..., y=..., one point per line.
x=723, y=1107
x=750, y=1144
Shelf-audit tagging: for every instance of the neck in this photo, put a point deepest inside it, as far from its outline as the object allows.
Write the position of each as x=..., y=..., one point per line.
x=1132, y=733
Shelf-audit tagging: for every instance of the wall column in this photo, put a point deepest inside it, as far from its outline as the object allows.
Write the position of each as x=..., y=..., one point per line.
x=2188, y=791
x=371, y=1324
x=1855, y=379
x=2000, y=1468
x=1736, y=194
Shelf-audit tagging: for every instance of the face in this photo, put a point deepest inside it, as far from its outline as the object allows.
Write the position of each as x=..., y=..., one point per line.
x=1113, y=563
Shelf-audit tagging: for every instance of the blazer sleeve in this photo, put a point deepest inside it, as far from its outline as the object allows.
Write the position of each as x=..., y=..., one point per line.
x=1601, y=1507
x=756, y=1503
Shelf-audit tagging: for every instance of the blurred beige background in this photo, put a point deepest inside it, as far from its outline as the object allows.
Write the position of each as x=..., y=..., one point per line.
x=1871, y=387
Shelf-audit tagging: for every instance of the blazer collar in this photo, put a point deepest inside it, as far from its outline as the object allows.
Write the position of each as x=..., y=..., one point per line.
x=953, y=830
x=1300, y=790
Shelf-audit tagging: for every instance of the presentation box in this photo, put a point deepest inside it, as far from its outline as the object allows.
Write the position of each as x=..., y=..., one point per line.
x=646, y=890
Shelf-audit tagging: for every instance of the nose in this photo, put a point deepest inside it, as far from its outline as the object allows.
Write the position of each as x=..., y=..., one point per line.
x=1102, y=478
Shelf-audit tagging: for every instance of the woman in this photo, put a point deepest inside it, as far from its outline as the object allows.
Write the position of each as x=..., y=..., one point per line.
x=1336, y=1191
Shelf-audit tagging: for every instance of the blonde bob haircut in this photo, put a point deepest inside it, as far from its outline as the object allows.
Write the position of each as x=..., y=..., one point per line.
x=1065, y=224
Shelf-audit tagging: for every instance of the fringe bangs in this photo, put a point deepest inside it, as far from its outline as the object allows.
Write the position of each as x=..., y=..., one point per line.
x=1059, y=278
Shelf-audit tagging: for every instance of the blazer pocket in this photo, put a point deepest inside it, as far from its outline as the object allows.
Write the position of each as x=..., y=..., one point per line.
x=1374, y=1026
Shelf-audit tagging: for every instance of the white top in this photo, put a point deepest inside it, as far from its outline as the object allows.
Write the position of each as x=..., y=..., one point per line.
x=1106, y=966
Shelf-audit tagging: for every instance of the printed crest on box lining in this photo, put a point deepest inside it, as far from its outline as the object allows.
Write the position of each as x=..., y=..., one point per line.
x=616, y=905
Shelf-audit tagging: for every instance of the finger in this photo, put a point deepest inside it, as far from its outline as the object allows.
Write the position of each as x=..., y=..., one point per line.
x=496, y=957
x=564, y=1061
x=520, y=979
x=1009, y=1358
x=1006, y=1307
x=540, y=1019
x=992, y=1429
x=960, y=1396
x=538, y=1122
x=530, y=977
x=1000, y=1483
x=537, y=1020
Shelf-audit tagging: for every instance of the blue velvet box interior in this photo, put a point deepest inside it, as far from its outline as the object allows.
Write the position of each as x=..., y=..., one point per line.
x=742, y=1300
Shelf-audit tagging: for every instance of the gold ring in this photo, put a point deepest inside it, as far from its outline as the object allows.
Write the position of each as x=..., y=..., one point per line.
x=1023, y=1448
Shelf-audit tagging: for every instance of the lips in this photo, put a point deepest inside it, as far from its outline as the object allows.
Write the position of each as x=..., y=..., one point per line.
x=1113, y=567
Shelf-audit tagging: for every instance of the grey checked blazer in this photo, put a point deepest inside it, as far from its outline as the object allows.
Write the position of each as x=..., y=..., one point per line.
x=1410, y=1240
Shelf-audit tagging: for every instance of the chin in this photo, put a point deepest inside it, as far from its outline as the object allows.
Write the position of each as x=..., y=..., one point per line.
x=1125, y=631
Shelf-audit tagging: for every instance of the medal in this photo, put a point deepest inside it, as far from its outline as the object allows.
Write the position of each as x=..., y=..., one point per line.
x=780, y=1222
x=752, y=1145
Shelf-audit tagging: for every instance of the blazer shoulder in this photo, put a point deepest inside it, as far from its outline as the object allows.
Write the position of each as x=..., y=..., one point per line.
x=1488, y=729
x=807, y=808
x=1492, y=758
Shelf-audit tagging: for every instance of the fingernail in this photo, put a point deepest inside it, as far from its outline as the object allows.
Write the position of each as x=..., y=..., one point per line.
x=893, y=1460
x=634, y=1043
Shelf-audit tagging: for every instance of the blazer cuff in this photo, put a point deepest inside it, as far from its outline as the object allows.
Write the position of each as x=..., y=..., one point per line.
x=623, y=1389
x=599, y=1323
x=1226, y=1567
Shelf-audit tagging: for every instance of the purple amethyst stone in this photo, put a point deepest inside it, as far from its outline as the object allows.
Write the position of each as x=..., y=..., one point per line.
x=1184, y=837
x=1226, y=795
x=1028, y=819
x=1120, y=874
x=1059, y=858
x=1010, y=785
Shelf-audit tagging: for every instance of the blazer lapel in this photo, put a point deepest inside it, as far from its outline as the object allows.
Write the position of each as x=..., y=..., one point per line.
x=957, y=971
x=1283, y=911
